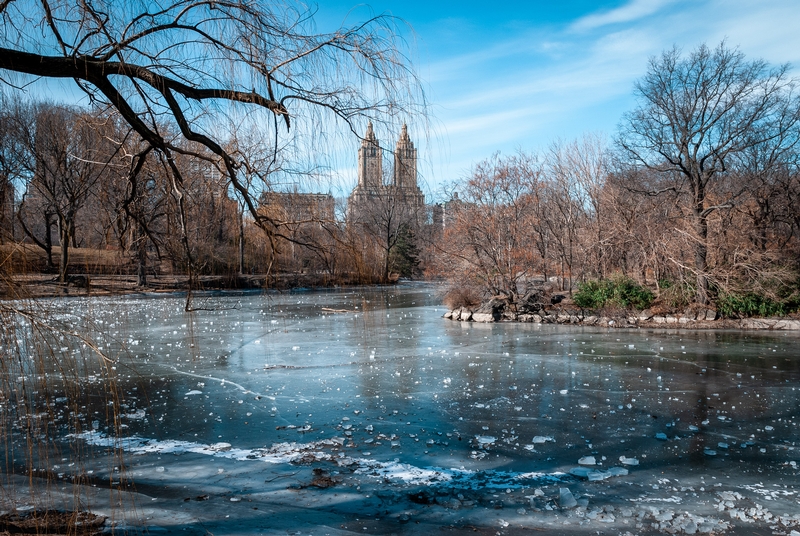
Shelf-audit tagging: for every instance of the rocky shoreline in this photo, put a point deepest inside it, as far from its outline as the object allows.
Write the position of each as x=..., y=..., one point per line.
x=702, y=319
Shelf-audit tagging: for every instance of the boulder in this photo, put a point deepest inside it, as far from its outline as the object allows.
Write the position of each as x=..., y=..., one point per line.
x=707, y=314
x=532, y=302
x=482, y=317
x=495, y=307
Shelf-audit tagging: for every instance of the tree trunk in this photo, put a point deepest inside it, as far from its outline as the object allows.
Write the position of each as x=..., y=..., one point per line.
x=64, y=237
x=701, y=254
x=48, y=240
x=141, y=256
x=241, y=243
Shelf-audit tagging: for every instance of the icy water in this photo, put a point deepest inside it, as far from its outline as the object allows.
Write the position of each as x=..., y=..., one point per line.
x=278, y=399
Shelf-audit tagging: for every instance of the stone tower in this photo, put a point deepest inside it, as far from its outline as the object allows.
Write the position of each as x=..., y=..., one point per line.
x=405, y=162
x=370, y=162
x=371, y=196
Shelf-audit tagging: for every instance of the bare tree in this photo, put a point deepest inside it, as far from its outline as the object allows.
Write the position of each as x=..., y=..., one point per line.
x=66, y=157
x=386, y=218
x=489, y=238
x=223, y=58
x=695, y=115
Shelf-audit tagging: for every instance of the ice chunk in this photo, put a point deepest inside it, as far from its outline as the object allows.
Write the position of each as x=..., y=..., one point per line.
x=194, y=392
x=485, y=440
x=564, y=391
x=596, y=475
x=617, y=471
x=539, y=440
x=661, y=436
x=581, y=472
x=587, y=460
x=566, y=499
x=628, y=461
x=722, y=445
x=135, y=416
x=709, y=452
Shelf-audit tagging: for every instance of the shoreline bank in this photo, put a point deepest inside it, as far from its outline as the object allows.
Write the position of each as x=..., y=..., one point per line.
x=705, y=319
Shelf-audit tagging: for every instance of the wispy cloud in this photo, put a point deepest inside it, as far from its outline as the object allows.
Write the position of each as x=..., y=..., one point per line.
x=630, y=12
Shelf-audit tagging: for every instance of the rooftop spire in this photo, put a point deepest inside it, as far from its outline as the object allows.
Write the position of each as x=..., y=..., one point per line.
x=370, y=135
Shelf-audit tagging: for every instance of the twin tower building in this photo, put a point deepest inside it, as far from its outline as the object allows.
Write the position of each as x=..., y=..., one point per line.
x=375, y=195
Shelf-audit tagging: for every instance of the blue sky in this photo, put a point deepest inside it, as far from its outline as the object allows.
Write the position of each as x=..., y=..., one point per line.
x=503, y=76
x=506, y=75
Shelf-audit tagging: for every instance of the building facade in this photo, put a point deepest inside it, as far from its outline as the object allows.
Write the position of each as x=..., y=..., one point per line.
x=400, y=194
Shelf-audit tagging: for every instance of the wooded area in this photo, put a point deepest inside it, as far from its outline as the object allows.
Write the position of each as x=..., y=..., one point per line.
x=698, y=197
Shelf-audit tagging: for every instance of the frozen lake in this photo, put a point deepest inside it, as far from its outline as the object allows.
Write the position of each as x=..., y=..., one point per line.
x=362, y=410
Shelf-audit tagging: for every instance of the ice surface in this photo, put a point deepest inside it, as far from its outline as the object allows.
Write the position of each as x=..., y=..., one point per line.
x=268, y=380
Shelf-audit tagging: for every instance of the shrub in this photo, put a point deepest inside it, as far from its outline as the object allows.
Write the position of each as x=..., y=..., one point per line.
x=621, y=292
x=461, y=296
x=752, y=304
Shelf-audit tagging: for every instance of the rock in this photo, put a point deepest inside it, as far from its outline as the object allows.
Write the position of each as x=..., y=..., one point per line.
x=566, y=499
x=482, y=317
x=557, y=298
x=449, y=315
x=647, y=314
x=81, y=281
x=707, y=314
x=495, y=307
x=531, y=302
x=466, y=315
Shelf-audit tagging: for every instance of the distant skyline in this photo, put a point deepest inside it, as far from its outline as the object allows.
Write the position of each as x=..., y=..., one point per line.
x=505, y=76
x=508, y=75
